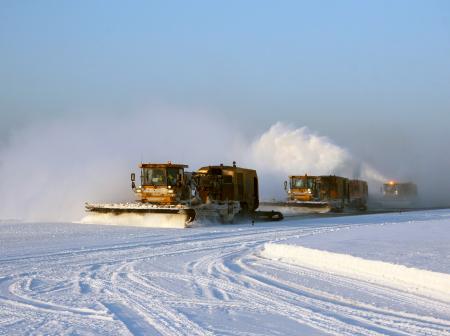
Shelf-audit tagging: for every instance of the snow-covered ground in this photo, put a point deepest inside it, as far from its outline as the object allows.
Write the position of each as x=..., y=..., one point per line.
x=355, y=275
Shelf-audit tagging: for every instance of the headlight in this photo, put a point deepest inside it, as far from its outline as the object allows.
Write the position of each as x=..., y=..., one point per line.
x=309, y=191
x=170, y=191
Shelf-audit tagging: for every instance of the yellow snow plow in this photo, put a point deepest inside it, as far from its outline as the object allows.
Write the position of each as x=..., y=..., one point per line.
x=320, y=194
x=168, y=196
x=399, y=195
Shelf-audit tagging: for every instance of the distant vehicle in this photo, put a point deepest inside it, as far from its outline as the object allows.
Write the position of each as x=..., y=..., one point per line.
x=169, y=193
x=399, y=194
x=320, y=194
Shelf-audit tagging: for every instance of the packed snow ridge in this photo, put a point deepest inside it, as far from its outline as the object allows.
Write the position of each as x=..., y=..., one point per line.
x=412, y=280
x=79, y=279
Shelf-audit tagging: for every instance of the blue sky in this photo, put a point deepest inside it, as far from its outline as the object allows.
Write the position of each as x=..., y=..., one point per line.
x=377, y=71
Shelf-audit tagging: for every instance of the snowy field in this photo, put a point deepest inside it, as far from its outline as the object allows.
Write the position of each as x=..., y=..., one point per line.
x=358, y=275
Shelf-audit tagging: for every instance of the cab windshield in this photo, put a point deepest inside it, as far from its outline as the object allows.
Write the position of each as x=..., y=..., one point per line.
x=153, y=176
x=305, y=183
x=172, y=176
x=390, y=188
x=161, y=176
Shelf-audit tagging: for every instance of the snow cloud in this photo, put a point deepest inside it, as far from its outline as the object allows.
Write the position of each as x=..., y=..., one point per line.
x=48, y=170
x=290, y=150
x=285, y=150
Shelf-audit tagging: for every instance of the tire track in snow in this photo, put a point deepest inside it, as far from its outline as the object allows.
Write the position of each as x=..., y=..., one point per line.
x=159, y=317
x=262, y=298
x=223, y=275
x=375, y=290
x=15, y=297
x=394, y=321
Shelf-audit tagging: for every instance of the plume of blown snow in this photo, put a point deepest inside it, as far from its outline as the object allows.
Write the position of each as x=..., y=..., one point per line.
x=284, y=150
x=296, y=151
x=49, y=170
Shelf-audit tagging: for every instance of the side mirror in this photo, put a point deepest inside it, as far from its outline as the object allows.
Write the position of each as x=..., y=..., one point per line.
x=285, y=185
x=133, y=178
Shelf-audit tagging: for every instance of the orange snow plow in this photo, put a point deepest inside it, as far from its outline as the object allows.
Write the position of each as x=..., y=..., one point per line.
x=171, y=197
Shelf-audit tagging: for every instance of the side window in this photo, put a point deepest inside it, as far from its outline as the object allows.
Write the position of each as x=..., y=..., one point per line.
x=215, y=171
x=240, y=178
x=240, y=185
x=227, y=179
x=172, y=174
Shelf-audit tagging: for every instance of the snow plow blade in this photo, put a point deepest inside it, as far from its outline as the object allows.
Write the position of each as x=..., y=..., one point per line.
x=315, y=205
x=267, y=216
x=139, y=214
x=296, y=208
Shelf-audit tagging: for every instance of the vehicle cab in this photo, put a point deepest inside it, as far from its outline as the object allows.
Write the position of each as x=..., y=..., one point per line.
x=399, y=190
x=301, y=188
x=161, y=183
